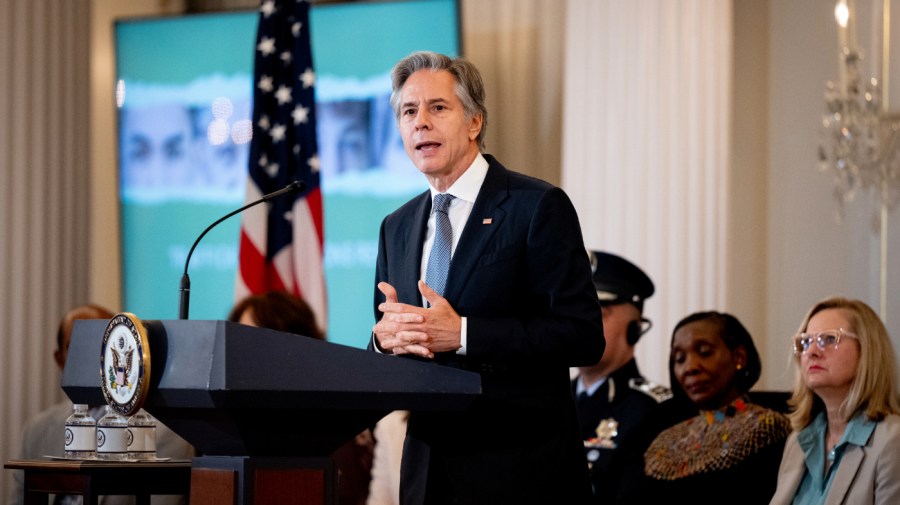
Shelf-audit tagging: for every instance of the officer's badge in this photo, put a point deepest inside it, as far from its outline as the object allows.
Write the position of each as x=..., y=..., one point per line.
x=606, y=432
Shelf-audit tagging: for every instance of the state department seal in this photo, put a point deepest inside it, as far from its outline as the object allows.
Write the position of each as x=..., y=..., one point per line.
x=125, y=363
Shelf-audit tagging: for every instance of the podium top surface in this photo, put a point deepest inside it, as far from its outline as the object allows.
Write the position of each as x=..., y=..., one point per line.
x=231, y=389
x=214, y=364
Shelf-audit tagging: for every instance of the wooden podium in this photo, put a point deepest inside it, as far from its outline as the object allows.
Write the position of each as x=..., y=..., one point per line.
x=264, y=408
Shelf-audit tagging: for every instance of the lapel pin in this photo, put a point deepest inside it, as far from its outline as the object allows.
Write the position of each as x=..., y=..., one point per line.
x=487, y=220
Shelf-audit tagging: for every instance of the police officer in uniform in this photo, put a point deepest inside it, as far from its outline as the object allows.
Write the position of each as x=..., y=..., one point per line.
x=616, y=405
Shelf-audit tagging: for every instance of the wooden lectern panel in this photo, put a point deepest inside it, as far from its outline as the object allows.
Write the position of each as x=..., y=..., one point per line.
x=295, y=486
x=242, y=480
x=213, y=486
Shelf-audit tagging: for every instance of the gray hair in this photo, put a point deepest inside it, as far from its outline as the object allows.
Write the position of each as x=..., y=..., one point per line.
x=469, y=87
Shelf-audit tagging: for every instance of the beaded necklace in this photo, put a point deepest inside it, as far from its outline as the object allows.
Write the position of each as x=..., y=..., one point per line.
x=714, y=440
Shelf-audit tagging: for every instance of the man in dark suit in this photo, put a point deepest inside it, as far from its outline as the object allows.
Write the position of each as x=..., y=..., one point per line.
x=508, y=296
x=617, y=407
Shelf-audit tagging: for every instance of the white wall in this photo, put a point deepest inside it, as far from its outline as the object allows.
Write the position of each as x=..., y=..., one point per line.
x=809, y=256
x=748, y=200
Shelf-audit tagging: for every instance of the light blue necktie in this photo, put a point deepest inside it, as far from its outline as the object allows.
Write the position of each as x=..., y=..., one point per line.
x=439, y=259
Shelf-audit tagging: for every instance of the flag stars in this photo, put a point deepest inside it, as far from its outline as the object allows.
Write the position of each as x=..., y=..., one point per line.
x=278, y=133
x=283, y=86
x=314, y=163
x=267, y=8
x=283, y=95
x=308, y=78
x=266, y=46
x=300, y=114
x=266, y=84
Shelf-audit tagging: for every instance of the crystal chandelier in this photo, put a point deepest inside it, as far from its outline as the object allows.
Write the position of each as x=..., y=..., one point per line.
x=860, y=142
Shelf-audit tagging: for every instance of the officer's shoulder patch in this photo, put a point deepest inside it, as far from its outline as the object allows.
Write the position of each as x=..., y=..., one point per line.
x=656, y=391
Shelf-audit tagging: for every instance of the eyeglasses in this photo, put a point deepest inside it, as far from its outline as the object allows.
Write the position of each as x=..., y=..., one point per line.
x=828, y=339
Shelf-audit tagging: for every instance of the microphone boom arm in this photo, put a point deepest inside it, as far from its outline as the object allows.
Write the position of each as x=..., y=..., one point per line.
x=185, y=289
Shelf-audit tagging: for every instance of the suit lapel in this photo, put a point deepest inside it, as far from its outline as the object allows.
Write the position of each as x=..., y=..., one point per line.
x=790, y=473
x=407, y=284
x=791, y=482
x=484, y=221
x=846, y=473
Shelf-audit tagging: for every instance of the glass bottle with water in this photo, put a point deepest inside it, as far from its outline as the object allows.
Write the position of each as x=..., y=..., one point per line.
x=81, y=434
x=141, y=437
x=111, y=436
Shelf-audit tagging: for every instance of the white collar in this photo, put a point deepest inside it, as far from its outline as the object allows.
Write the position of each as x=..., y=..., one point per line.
x=590, y=390
x=468, y=185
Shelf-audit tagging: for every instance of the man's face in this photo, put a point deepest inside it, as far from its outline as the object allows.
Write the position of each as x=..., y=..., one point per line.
x=156, y=146
x=615, y=328
x=343, y=127
x=437, y=137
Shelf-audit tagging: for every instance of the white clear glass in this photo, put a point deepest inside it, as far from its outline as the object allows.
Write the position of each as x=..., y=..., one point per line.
x=112, y=436
x=141, y=437
x=81, y=434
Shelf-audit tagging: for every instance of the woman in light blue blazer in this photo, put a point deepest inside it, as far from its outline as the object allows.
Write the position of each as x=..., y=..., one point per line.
x=845, y=448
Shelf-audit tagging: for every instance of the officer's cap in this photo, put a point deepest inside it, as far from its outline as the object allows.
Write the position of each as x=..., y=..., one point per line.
x=618, y=280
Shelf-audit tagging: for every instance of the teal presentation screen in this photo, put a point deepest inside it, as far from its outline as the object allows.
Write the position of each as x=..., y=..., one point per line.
x=184, y=96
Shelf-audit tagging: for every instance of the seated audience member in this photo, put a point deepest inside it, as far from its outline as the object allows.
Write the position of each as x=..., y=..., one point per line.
x=730, y=451
x=616, y=405
x=44, y=433
x=277, y=311
x=846, y=443
x=283, y=312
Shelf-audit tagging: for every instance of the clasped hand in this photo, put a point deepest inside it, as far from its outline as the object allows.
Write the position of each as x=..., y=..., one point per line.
x=409, y=329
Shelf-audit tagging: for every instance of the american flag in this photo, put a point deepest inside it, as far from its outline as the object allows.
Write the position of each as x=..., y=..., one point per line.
x=281, y=242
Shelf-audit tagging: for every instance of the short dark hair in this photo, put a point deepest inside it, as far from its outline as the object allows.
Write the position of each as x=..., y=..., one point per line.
x=469, y=86
x=734, y=335
x=280, y=311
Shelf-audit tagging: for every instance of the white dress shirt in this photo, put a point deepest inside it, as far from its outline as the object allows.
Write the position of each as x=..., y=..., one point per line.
x=465, y=190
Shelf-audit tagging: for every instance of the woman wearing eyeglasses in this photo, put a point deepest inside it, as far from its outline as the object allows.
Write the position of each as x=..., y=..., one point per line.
x=729, y=452
x=846, y=445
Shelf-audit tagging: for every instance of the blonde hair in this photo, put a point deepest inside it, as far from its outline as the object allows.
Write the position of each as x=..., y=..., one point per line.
x=874, y=389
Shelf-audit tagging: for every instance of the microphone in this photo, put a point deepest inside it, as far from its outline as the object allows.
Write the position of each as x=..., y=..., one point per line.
x=185, y=290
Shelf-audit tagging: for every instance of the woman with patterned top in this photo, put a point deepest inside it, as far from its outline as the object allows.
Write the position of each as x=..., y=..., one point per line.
x=729, y=452
x=846, y=447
